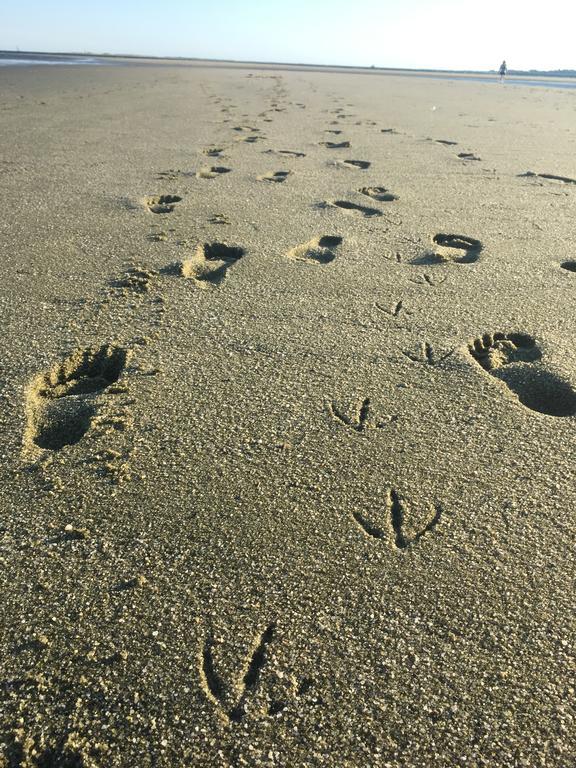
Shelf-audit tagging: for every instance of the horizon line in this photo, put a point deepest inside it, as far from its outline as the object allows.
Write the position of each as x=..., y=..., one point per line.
x=284, y=63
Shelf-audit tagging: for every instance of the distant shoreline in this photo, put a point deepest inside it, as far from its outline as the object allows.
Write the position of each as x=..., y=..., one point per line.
x=94, y=57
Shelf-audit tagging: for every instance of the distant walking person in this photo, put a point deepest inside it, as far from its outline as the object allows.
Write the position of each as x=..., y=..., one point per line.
x=503, y=70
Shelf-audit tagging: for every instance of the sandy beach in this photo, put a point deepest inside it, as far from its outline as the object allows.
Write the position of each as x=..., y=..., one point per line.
x=288, y=420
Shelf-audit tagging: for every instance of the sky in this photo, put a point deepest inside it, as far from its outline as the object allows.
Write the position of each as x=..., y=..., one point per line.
x=432, y=34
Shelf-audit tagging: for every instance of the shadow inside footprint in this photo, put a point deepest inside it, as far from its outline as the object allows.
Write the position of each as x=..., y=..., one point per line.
x=335, y=144
x=457, y=248
x=211, y=262
x=287, y=152
x=61, y=402
x=214, y=151
x=548, y=177
x=362, y=164
x=162, y=203
x=569, y=265
x=354, y=209
x=514, y=359
x=212, y=172
x=381, y=194
x=277, y=176
x=319, y=250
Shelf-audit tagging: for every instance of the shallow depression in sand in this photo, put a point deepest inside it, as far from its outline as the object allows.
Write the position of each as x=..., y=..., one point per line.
x=515, y=359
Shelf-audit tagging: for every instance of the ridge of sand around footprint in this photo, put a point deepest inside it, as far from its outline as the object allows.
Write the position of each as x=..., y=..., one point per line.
x=62, y=402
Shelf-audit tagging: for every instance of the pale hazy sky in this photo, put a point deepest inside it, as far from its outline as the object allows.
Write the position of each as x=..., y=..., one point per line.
x=444, y=34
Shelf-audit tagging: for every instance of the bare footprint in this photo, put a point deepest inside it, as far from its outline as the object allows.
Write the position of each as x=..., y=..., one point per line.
x=212, y=172
x=61, y=403
x=162, y=203
x=134, y=280
x=287, y=152
x=515, y=359
x=362, y=164
x=548, y=177
x=381, y=194
x=335, y=144
x=459, y=249
x=219, y=218
x=319, y=250
x=353, y=209
x=214, y=151
x=277, y=176
x=250, y=139
x=211, y=262
x=172, y=174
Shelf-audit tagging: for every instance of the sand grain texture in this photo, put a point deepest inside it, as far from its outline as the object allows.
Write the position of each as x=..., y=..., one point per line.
x=288, y=468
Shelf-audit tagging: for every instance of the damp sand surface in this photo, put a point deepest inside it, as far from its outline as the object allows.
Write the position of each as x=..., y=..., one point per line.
x=288, y=429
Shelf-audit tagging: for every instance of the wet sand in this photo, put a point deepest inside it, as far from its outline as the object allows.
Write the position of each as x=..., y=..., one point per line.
x=288, y=427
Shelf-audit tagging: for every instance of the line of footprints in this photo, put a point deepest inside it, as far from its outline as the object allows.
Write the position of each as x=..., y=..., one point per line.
x=81, y=393
x=65, y=401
